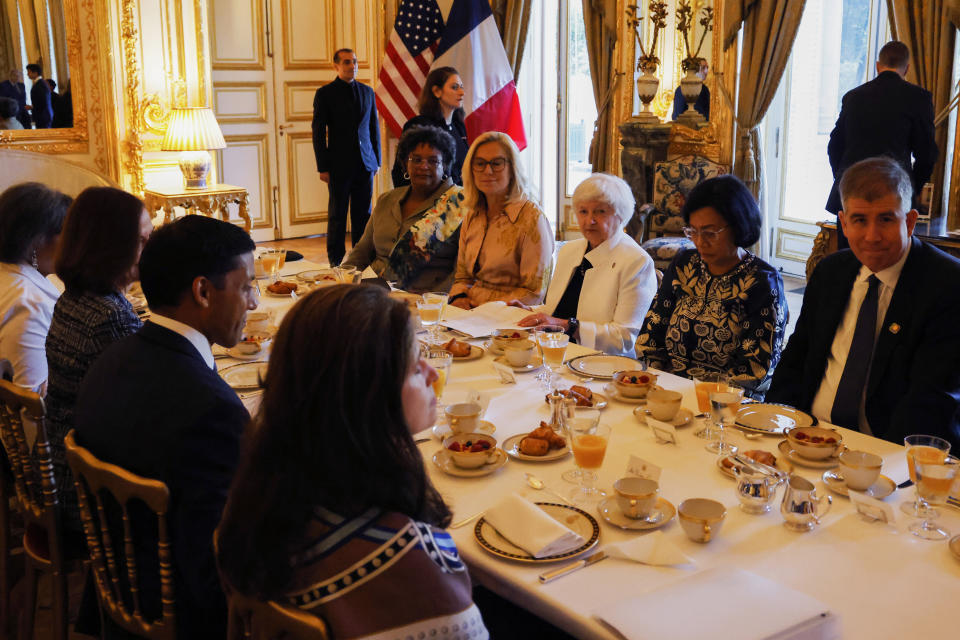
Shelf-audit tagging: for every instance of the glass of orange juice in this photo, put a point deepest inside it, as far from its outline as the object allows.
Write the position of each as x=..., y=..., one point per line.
x=934, y=481
x=441, y=361
x=589, y=440
x=703, y=384
x=272, y=260
x=924, y=449
x=553, y=346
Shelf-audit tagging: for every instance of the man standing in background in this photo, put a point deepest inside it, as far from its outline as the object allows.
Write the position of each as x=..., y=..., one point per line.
x=346, y=142
x=40, y=97
x=15, y=89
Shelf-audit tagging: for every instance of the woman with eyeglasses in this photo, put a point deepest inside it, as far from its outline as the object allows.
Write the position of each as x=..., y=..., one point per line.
x=413, y=233
x=506, y=243
x=441, y=106
x=719, y=307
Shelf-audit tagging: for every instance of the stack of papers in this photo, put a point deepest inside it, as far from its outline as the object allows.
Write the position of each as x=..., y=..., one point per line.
x=481, y=321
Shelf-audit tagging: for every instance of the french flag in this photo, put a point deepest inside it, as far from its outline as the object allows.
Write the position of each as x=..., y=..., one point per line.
x=469, y=42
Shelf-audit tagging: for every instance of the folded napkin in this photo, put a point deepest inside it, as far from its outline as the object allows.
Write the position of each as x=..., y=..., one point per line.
x=653, y=548
x=527, y=526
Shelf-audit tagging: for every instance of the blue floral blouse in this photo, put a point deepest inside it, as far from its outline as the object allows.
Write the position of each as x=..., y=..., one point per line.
x=731, y=323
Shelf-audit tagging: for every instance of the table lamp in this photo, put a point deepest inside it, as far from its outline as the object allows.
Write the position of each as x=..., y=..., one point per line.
x=193, y=131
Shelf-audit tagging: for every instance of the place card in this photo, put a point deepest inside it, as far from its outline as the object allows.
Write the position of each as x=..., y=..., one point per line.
x=642, y=469
x=482, y=399
x=506, y=373
x=664, y=432
x=872, y=508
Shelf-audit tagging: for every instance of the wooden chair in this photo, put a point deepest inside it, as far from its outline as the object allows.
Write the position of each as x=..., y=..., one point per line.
x=37, y=499
x=114, y=565
x=252, y=619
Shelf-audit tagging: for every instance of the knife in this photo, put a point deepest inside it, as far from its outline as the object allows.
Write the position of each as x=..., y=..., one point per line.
x=570, y=568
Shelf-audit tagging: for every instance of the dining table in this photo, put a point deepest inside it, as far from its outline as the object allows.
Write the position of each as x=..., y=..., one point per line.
x=875, y=578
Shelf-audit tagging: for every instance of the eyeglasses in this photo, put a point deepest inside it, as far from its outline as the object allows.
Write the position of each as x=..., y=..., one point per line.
x=480, y=165
x=709, y=235
x=432, y=161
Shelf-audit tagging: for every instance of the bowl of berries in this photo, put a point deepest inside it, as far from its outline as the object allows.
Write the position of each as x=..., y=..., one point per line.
x=815, y=443
x=471, y=450
x=634, y=384
x=504, y=338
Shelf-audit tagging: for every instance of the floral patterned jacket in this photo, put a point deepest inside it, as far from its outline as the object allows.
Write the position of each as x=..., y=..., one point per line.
x=732, y=323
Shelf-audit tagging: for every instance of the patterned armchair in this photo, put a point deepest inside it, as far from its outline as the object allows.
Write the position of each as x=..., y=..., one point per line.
x=662, y=232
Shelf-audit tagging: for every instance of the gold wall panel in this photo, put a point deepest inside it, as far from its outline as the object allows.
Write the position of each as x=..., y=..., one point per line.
x=794, y=245
x=246, y=163
x=298, y=102
x=236, y=17
x=240, y=102
x=308, y=194
x=307, y=41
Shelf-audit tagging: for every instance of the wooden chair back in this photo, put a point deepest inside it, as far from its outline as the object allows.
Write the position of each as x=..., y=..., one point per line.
x=252, y=619
x=114, y=562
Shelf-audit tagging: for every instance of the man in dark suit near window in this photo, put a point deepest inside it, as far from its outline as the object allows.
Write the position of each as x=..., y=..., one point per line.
x=154, y=404
x=346, y=142
x=42, y=108
x=14, y=88
x=877, y=345
x=886, y=116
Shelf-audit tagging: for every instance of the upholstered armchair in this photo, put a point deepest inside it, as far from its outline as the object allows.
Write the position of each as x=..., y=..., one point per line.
x=661, y=234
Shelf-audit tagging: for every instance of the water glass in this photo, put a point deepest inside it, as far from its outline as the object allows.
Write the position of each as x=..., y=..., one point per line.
x=724, y=405
x=431, y=307
x=272, y=260
x=921, y=448
x=934, y=483
x=553, y=346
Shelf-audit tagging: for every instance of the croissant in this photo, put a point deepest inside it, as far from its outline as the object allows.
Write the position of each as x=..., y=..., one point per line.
x=457, y=348
x=534, y=446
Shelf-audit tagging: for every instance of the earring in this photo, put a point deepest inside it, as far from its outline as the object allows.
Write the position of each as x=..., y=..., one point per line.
x=33, y=260
x=406, y=176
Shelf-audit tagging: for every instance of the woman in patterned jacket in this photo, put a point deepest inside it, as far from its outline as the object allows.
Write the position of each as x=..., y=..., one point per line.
x=331, y=509
x=719, y=307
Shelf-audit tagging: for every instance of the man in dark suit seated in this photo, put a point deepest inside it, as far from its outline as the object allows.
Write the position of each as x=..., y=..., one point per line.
x=877, y=344
x=14, y=88
x=886, y=116
x=154, y=404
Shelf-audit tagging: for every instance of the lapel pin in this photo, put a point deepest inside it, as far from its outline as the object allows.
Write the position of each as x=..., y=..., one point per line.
x=894, y=328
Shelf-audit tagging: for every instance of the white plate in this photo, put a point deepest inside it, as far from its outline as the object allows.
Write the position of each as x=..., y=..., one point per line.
x=445, y=463
x=244, y=377
x=512, y=447
x=442, y=431
x=475, y=354
x=535, y=363
x=880, y=489
x=300, y=290
x=310, y=277
x=782, y=463
x=773, y=419
x=796, y=458
x=683, y=418
x=661, y=514
x=577, y=520
x=599, y=402
x=600, y=365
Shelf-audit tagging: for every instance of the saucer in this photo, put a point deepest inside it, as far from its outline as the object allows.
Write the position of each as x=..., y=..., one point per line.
x=493, y=349
x=475, y=354
x=796, y=458
x=683, y=418
x=535, y=363
x=614, y=393
x=442, y=431
x=446, y=464
x=880, y=489
x=512, y=446
x=662, y=513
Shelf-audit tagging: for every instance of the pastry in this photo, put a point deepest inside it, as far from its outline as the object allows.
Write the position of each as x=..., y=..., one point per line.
x=457, y=348
x=281, y=287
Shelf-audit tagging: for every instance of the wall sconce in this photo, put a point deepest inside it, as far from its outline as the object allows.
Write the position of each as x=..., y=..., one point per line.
x=193, y=131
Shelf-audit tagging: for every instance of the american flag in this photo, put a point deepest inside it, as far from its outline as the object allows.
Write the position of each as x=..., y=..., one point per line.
x=410, y=52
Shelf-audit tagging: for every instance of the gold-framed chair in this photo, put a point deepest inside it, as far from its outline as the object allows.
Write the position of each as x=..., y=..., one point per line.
x=252, y=619
x=114, y=565
x=37, y=500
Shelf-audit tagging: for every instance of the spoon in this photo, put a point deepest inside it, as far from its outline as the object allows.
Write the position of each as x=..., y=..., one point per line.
x=539, y=485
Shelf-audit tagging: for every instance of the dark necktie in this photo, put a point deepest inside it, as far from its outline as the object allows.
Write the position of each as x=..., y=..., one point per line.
x=356, y=92
x=567, y=307
x=846, y=404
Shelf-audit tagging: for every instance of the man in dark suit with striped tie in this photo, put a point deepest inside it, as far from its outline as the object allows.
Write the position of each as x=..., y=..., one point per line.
x=877, y=344
x=346, y=142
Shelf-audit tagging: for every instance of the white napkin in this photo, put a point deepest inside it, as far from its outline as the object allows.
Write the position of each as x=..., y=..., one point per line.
x=653, y=548
x=530, y=528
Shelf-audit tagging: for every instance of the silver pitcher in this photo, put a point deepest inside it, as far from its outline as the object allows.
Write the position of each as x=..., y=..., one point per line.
x=756, y=490
x=801, y=508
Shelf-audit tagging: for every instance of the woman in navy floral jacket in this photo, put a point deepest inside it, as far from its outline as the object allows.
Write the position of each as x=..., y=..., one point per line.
x=719, y=307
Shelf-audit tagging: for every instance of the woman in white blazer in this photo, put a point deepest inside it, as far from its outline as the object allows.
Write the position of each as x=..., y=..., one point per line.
x=603, y=283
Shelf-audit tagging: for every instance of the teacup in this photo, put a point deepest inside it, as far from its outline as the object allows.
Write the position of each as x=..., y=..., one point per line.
x=636, y=497
x=257, y=322
x=471, y=459
x=664, y=404
x=464, y=417
x=859, y=469
x=519, y=354
x=701, y=518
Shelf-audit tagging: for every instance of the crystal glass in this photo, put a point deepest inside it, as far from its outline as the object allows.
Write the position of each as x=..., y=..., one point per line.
x=272, y=260
x=724, y=405
x=347, y=275
x=431, y=307
x=589, y=441
x=921, y=448
x=703, y=384
x=544, y=375
x=934, y=482
x=553, y=346
x=569, y=414
x=441, y=361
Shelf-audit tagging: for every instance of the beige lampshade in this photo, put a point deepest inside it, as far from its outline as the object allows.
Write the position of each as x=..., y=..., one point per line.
x=193, y=129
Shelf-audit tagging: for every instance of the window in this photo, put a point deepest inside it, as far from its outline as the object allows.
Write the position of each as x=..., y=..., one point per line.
x=581, y=108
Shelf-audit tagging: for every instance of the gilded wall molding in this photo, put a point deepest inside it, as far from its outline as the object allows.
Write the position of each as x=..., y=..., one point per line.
x=133, y=142
x=153, y=115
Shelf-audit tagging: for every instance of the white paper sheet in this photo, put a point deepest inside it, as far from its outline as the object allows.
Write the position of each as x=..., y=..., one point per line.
x=483, y=320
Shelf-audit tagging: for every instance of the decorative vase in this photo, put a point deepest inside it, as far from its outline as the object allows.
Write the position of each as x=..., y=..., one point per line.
x=647, y=86
x=690, y=87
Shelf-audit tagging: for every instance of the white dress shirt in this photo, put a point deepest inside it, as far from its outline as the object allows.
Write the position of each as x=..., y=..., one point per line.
x=197, y=339
x=617, y=291
x=26, y=308
x=823, y=402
